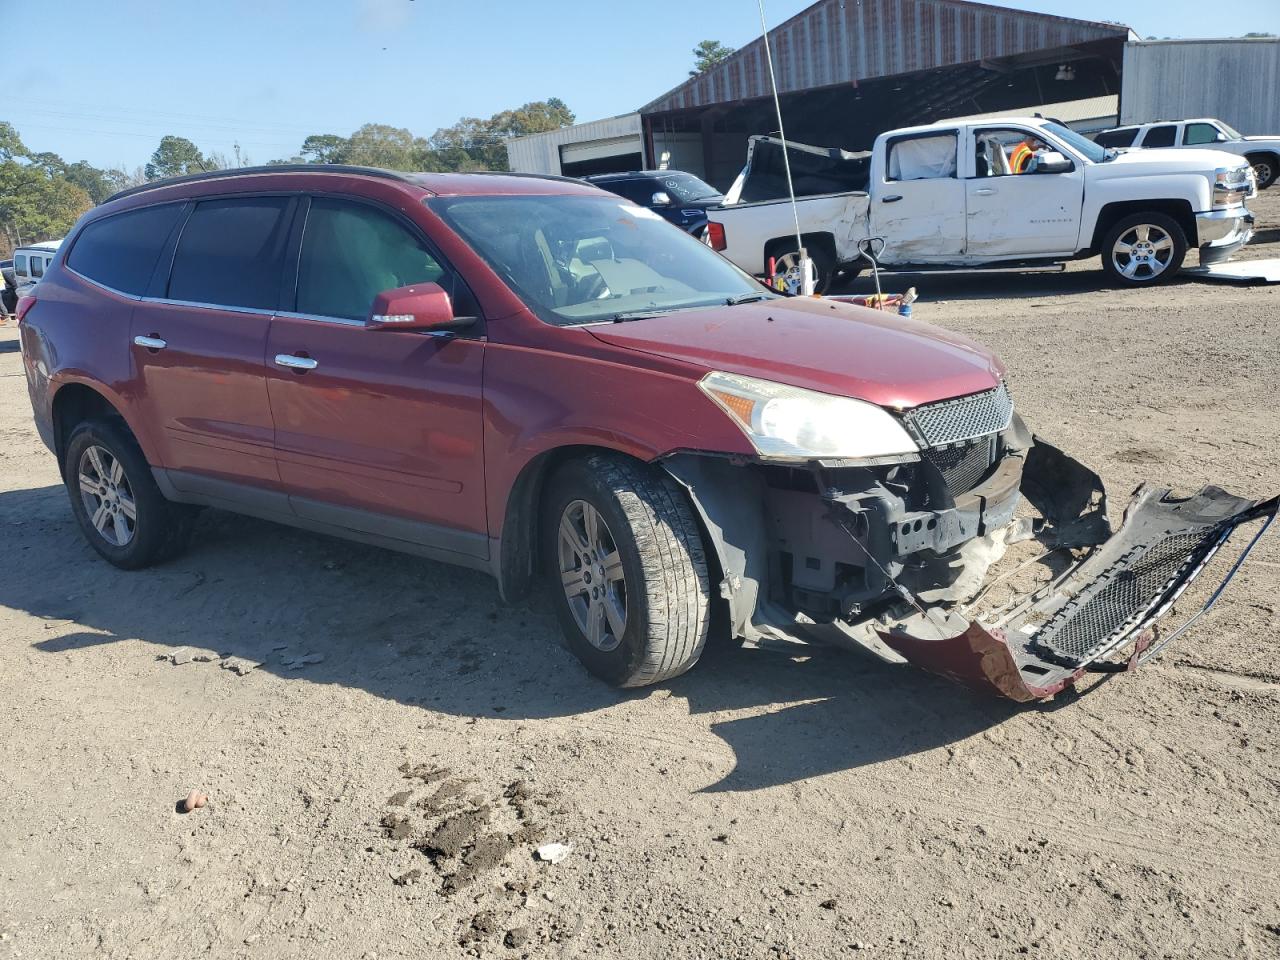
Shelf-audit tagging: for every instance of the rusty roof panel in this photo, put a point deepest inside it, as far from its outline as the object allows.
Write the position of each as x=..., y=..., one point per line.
x=844, y=41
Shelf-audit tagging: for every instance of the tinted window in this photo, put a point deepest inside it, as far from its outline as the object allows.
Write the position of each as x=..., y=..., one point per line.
x=1116, y=138
x=923, y=158
x=20, y=264
x=37, y=266
x=231, y=253
x=638, y=191
x=1160, y=136
x=351, y=253
x=1200, y=133
x=121, y=251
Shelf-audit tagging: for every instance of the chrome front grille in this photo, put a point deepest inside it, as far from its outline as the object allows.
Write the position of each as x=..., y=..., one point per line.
x=964, y=418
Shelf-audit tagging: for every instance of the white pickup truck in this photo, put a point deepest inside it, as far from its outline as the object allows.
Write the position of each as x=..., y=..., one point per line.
x=947, y=196
x=1263, y=153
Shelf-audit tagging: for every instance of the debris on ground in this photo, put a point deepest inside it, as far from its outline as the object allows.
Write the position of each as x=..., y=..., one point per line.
x=194, y=801
x=554, y=852
x=240, y=665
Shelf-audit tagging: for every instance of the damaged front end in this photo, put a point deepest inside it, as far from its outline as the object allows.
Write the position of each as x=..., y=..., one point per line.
x=899, y=557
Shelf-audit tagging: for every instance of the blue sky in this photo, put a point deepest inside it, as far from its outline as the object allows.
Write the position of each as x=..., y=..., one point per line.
x=110, y=78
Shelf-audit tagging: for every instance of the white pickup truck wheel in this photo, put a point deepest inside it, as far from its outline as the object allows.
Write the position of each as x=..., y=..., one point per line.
x=1144, y=249
x=1265, y=169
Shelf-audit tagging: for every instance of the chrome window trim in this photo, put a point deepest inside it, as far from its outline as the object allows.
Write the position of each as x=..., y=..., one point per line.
x=344, y=321
x=227, y=308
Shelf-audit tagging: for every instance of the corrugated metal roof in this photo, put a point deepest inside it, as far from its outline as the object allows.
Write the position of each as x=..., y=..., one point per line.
x=843, y=41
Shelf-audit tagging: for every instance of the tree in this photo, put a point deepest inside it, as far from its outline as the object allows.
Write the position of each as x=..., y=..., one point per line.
x=36, y=206
x=381, y=145
x=475, y=144
x=176, y=156
x=324, y=148
x=707, y=54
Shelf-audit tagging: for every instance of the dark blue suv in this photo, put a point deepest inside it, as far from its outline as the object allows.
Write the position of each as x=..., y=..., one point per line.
x=679, y=197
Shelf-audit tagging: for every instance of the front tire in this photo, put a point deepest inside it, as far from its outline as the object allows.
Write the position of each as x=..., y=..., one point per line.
x=627, y=569
x=823, y=260
x=1143, y=249
x=121, y=511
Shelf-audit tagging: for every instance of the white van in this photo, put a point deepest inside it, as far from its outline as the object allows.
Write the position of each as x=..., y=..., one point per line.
x=30, y=262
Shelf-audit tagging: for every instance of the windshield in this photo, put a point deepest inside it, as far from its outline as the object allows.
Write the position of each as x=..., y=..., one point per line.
x=1229, y=130
x=1082, y=145
x=686, y=188
x=576, y=259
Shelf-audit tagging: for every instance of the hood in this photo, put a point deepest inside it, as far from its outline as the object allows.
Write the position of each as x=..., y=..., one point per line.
x=819, y=345
x=1168, y=160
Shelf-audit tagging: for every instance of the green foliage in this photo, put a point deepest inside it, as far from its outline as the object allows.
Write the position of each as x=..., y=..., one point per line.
x=177, y=156
x=707, y=54
x=38, y=201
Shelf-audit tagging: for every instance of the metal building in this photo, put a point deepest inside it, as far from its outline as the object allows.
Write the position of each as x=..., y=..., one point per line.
x=850, y=69
x=1233, y=80
x=600, y=146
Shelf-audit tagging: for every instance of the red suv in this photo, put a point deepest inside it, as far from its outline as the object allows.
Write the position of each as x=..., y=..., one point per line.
x=535, y=378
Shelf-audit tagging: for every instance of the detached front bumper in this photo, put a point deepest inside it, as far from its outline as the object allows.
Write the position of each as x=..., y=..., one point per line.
x=850, y=560
x=1105, y=605
x=1222, y=232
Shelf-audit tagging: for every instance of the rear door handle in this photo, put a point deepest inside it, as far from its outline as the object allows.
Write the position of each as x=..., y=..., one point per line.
x=893, y=199
x=984, y=192
x=294, y=362
x=151, y=343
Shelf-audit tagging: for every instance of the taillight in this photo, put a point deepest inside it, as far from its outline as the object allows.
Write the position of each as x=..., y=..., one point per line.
x=715, y=236
x=25, y=304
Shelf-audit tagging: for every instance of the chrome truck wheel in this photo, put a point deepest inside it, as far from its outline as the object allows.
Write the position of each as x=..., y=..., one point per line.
x=1144, y=249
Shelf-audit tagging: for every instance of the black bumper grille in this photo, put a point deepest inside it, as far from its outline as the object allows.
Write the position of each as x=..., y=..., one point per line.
x=1091, y=621
x=963, y=466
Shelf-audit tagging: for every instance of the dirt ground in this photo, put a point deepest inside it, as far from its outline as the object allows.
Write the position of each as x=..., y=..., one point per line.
x=378, y=782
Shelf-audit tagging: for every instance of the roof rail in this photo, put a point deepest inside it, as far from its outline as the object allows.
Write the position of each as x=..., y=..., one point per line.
x=531, y=176
x=251, y=171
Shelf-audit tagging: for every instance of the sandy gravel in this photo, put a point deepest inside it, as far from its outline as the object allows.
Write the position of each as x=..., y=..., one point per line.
x=379, y=783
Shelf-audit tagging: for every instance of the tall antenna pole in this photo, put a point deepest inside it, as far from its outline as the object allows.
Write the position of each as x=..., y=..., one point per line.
x=807, y=281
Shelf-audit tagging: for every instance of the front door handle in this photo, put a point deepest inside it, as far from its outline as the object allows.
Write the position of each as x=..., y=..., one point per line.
x=294, y=362
x=893, y=199
x=984, y=192
x=151, y=343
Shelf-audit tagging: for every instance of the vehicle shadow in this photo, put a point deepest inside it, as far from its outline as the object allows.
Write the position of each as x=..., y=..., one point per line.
x=438, y=637
x=978, y=285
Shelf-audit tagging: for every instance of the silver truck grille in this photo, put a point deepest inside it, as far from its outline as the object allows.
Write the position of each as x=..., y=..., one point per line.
x=953, y=421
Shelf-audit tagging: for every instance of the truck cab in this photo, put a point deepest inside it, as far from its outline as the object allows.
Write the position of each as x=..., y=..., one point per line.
x=30, y=263
x=1263, y=153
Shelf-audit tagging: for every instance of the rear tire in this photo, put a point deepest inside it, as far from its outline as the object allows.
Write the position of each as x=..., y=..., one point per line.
x=1266, y=167
x=627, y=570
x=823, y=260
x=121, y=511
x=1143, y=249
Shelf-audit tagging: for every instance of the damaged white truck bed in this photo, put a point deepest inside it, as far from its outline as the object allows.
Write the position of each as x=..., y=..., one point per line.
x=898, y=558
x=948, y=196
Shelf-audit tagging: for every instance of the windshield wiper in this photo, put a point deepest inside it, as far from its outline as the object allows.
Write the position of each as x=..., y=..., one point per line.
x=745, y=298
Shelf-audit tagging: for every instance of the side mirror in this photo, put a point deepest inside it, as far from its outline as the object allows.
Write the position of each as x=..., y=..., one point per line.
x=661, y=199
x=1220, y=137
x=423, y=306
x=1053, y=162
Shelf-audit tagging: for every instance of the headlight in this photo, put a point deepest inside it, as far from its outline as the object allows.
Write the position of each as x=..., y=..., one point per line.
x=1231, y=185
x=783, y=421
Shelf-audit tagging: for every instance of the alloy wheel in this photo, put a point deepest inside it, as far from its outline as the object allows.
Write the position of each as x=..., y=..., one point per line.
x=591, y=574
x=108, y=499
x=1262, y=171
x=1142, y=252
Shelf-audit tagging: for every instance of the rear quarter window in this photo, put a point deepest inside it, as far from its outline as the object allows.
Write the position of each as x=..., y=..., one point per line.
x=121, y=251
x=1162, y=136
